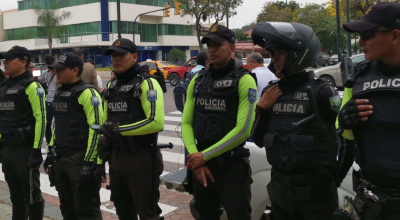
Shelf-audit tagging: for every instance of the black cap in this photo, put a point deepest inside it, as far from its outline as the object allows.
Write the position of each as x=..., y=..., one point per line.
x=68, y=60
x=381, y=14
x=121, y=46
x=219, y=34
x=17, y=52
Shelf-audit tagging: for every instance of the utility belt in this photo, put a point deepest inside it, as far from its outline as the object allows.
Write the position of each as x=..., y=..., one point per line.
x=305, y=180
x=17, y=137
x=239, y=152
x=131, y=144
x=58, y=151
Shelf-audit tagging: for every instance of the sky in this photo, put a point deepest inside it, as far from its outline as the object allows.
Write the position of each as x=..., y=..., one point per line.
x=246, y=13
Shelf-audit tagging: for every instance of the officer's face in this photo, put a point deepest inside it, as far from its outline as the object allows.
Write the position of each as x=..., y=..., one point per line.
x=13, y=67
x=378, y=47
x=219, y=53
x=123, y=61
x=67, y=75
x=279, y=60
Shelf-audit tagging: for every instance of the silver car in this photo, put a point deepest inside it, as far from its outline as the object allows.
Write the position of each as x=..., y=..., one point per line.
x=333, y=73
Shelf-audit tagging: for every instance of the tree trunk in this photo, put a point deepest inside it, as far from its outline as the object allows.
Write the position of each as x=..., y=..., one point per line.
x=50, y=45
x=198, y=32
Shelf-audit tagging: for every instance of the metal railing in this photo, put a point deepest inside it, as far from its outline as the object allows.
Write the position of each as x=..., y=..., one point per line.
x=77, y=38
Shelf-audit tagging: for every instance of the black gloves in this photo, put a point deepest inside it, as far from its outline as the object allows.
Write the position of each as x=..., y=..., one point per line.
x=87, y=171
x=104, y=148
x=349, y=115
x=48, y=162
x=110, y=128
x=99, y=172
x=35, y=158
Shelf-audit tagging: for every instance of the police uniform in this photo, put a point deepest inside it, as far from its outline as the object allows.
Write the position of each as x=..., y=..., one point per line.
x=376, y=151
x=219, y=113
x=22, y=127
x=134, y=116
x=76, y=107
x=303, y=178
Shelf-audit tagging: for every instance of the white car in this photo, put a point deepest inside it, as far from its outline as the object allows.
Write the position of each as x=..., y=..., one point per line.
x=261, y=175
x=334, y=74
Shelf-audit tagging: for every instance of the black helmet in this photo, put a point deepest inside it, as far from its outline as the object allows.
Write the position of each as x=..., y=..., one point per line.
x=299, y=39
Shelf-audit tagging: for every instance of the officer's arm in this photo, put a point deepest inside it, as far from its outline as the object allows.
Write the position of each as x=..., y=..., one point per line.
x=91, y=102
x=244, y=123
x=153, y=108
x=187, y=119
x=36, y=97
x=348, y=93
x=53, y=136
x=259, y=124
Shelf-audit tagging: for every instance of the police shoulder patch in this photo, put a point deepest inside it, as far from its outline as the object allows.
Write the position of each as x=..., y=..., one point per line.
x=40, y=92
x=335, y=102
x=252, y=95
x=152, y=95
x=95, y=101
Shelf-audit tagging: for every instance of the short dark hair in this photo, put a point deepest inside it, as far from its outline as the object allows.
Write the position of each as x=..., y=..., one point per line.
x=202, y=57
x=256, y=57
x=77, y=50
x=49, y=59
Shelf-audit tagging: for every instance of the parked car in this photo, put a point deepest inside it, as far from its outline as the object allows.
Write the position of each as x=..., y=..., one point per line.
x=323, y=60
x=333, y=60
x=334, y=74
x=261, y=175
x=162, y=65
x=176, y=74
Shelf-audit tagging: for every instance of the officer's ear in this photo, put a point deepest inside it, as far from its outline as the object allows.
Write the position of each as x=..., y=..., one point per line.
x=135, y=57
x=396, y=37
x=232, y=48
x=75, y=71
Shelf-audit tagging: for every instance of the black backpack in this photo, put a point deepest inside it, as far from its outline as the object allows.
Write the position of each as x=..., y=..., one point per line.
x=181, y=89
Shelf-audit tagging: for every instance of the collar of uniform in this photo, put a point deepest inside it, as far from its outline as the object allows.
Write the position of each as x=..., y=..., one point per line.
x=388, y=70
x=295, y=80
x=128, y=74
x=222, y=71
x=69, y=86
x=20, y=77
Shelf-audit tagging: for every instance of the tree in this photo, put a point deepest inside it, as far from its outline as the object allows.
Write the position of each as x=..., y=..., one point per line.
x=175, y=55
x=282, y=5
x=222, y=8
x=201, y=9
x=51, y=20
x=271, y=12
x=241, y=36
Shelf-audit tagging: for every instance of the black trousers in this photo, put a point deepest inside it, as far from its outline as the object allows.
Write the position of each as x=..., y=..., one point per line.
x=49, y=119
x=302, y=197
x=134, y=184
x=231, y=189
x=24, y=183
x=79, y=200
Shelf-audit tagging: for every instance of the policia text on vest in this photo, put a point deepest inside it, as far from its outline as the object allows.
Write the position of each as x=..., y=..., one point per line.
x=22, y=127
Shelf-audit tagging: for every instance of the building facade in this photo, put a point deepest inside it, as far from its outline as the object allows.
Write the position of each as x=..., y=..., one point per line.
x=93, y=27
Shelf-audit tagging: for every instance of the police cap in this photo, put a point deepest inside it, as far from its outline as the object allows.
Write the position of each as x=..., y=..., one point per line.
x=121, y=46
x=17, y=52
x=68, y=60
x=219, y=34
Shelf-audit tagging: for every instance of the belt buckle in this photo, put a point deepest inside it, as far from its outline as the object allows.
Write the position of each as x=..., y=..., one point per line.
x=370, y=195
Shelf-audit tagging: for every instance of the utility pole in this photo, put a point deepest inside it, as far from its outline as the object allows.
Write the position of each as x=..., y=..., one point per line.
x=348, y=34
x=119, y=18
x=338, y=31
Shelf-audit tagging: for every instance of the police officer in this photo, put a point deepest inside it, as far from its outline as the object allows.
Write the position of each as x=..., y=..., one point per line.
x=135, y=115
x=22, y=127
x=219, y=113
x=303, y=177
x=370, y=116
x=76, y=106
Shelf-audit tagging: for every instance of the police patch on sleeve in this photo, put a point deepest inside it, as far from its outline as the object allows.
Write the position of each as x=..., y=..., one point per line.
x=40, y=92
x=252, y=96
x=335, y=102
x=95, y=101
x=152, y=95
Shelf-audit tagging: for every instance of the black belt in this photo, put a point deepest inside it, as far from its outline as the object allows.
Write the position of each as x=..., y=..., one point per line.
x=302, y=180
x=382, y=193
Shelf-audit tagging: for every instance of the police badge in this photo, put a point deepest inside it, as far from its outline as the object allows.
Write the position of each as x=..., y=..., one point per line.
x=252, y=95
x=40, y=92
x=335, y=102
x=95, y=101
x=152, y=95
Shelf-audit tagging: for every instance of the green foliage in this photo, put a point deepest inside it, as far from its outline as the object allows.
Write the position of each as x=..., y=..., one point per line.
x=108, y=68
x=241, y=36
x=175, y=55
x=273, y=11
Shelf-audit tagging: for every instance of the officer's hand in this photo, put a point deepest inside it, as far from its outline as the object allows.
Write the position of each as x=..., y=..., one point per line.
x=269, y=98
x=196, y=160
x=99, y=172
x=202, y=173
x=48, y=162
x=87, y=171
x=35, y=158
x=353, y=112
x=110, y=128
x=104, y=148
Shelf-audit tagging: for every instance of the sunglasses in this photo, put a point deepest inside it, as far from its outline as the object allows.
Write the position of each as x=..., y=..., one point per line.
x=368, y=35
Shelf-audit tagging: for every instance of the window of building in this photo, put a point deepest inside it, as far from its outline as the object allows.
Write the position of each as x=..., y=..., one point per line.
x=9, y=34
x=64, y=3
x=71, y=2
x=171, y=29
x=21, y=6
x=93, y=28
x=72, y=30
x=80, y=2
x=162, y=29
x=148, y=32
x=43, y=3
x=81, y=29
